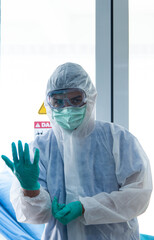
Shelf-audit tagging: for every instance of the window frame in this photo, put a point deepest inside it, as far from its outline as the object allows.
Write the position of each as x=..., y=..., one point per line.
x=112, y=61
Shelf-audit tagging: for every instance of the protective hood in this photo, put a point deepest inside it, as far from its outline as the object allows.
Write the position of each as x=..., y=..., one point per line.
x=71, y=75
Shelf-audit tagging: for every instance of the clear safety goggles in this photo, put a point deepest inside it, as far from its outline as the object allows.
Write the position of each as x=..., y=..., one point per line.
x=74, y=97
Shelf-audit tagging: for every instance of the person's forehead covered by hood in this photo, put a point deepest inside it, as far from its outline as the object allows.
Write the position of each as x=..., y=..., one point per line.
x=70, y=75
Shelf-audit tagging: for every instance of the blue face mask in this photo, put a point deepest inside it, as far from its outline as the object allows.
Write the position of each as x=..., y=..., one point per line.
x=69, y=117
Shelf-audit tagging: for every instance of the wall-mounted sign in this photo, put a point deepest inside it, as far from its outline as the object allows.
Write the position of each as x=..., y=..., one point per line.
x=42, y=109
x=41, y=127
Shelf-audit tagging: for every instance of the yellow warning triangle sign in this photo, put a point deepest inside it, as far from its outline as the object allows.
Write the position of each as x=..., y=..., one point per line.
x=42, y=109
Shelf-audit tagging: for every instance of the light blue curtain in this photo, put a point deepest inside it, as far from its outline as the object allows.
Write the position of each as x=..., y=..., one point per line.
x=146, y=237
x=10, y=228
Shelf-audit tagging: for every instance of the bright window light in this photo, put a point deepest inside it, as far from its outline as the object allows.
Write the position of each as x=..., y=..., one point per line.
x=37, y=36
x=141, y=87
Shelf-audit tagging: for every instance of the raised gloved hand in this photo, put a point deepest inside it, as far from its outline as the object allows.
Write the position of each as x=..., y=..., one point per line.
x=26, y=172
x=66, y=213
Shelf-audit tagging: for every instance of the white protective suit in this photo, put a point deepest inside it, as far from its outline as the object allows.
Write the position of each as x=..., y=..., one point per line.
x=100, y=164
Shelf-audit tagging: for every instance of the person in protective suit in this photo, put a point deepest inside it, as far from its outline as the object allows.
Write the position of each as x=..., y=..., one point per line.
x=85, y=179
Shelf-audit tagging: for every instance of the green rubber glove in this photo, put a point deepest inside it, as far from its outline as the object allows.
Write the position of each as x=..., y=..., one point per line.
x=68, y=212
x=56, y=207
x=26, y=172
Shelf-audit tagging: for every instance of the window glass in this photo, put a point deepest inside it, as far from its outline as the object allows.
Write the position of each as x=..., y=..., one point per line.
x=37, y=36
x=141, y=86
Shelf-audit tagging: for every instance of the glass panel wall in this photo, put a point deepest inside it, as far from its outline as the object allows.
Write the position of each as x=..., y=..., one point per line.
x=37, y=36
x=141, y=86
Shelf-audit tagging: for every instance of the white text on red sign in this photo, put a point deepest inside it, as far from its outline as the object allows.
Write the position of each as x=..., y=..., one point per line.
x=42, y=125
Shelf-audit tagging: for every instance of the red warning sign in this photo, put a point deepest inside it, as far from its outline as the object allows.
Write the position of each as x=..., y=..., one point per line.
x=45, y=124
x=40, y=128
